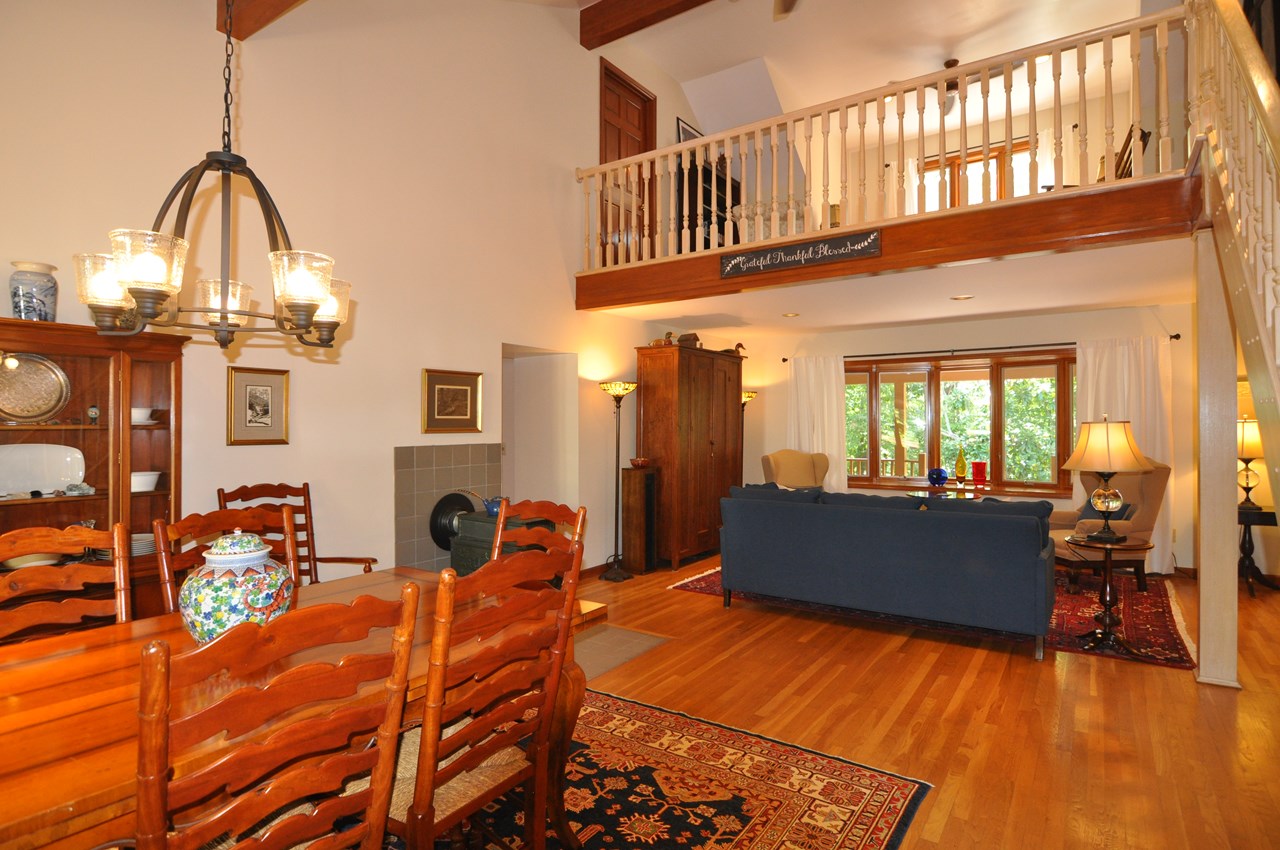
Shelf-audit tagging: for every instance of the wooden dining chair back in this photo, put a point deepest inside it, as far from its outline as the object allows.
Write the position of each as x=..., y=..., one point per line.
x=266, y=731
x=180, y=546
x=275, y=497
x=48, y=597
x=570, y=525
x=487, y=715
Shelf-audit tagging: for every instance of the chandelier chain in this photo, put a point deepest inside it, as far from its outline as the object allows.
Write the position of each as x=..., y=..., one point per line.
x=226, y=83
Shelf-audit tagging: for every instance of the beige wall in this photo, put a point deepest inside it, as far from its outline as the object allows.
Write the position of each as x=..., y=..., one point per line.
x=429, y=147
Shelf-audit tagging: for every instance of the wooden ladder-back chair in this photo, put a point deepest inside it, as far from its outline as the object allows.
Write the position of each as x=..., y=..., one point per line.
x=50, y=598
x=492, y=685
x=535, y=535
x=265, y=731
x=180, y=545
x=275, y=497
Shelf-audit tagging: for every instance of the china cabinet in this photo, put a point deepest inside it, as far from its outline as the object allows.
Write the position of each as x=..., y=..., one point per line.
x=65, y=407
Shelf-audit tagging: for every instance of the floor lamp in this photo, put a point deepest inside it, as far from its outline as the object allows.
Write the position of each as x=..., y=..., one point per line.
x=617, y=389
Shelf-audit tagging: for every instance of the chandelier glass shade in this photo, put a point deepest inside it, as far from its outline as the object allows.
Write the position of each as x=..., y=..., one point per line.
x=138, y=284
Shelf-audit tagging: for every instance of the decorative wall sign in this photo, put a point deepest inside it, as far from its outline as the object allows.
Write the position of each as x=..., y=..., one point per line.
x=846, y=247
x=450, y=401
x=257, y=407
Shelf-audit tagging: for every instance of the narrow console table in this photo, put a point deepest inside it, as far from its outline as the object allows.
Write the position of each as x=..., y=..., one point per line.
x=1248, y=569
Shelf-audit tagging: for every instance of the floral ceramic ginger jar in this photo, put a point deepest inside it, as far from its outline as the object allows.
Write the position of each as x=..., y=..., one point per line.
x=239, y=583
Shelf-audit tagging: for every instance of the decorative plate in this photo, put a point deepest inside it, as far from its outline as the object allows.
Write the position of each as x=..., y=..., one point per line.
x=35, y=391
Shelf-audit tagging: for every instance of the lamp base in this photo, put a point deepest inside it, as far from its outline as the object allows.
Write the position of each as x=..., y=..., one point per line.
x=615, y=572
x=1248, y=504
x=1106, y=535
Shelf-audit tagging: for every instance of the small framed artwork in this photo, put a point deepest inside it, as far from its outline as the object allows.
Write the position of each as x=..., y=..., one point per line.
x=685, y=131
x=450, y=401
x=257, y=407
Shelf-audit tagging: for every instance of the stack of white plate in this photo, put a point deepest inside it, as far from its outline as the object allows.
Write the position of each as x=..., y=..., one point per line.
x=142, y=544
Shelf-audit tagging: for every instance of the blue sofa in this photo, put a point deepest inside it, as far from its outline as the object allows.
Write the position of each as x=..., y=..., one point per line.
x=986, y=563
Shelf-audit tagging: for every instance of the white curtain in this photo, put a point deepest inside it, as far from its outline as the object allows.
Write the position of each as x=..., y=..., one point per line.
x=815, y=420
x=911, y=207
x=1131, y=379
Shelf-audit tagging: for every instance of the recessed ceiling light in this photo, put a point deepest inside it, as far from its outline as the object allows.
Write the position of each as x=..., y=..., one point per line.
x=789, y=315
x=961, y=297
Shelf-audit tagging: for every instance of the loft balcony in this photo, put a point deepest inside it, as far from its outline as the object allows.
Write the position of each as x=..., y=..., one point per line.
x=1072, y=143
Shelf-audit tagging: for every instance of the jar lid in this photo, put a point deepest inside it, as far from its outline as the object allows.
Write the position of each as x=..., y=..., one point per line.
x=238, y=543
x=31, y=266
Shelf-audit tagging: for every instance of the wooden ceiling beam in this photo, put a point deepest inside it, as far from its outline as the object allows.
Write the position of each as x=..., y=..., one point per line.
x=609, y=20
x=249, y=16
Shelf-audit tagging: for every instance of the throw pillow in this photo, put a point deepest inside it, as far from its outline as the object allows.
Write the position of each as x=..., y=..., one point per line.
x=868, y=500
x=775, y=494
x=1090, y=512
x=1040, y=509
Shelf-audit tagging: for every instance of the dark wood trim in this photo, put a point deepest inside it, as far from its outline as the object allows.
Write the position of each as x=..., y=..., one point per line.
x=249, y=16
x=609, y=20
x=1110, y=214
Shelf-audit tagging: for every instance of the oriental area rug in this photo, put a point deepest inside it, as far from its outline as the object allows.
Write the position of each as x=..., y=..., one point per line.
x=1151, y=622
x=640, y=776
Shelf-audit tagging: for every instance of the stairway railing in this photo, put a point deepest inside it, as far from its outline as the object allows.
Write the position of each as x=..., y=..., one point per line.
x=1099, y=106
x=1235, y=108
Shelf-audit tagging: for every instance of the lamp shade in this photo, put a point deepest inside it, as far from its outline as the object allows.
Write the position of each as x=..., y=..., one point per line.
x=1107, y=447
x=618, y=389
x=1248, y=440
x=747, y=395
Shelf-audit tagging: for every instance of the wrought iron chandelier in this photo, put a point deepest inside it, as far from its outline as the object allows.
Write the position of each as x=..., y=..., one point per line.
x=137, y=284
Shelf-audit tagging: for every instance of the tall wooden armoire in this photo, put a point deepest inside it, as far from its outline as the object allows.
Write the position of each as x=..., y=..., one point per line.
x=689, y=424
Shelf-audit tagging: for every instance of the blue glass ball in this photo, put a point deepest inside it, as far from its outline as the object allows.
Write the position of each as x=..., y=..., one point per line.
x=937, y=477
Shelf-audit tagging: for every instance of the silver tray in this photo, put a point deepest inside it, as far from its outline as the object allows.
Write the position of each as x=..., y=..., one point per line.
x=35, y=391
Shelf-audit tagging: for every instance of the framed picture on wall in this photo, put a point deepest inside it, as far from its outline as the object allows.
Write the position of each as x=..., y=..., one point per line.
x=685, y=131
x=450, y=401
x=257, y=407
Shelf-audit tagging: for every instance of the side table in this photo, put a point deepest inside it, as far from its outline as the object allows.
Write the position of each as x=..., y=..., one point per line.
x=1105, y=635
x=1248, y=569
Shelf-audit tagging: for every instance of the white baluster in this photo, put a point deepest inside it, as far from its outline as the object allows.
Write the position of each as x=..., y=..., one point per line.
x=963, y=94
x=1108, y=112
x=726, y=157
x=901, y=100
x=1008, y=125
x=844, y=164
x=646, y=248
x=686, y=178
x=861, y=205
x=1032, y=136
x=986, y=136
x=1135, y=103
x=1057, y=127
x=1165, y=155
x=921, y=199
x=633, y=239
x=882, y=195
x=673, y=246
x=759, y=205
x=773, y=194
x=825, y=216
x=792, y=196
x=944, y=173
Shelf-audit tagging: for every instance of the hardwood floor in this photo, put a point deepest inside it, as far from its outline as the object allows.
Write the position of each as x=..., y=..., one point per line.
x=1070, y=752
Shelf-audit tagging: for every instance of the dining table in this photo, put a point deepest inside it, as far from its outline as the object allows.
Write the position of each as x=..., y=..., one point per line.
x=69, y=717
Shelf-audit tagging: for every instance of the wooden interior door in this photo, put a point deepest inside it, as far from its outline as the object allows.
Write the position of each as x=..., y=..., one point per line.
x=628, y=114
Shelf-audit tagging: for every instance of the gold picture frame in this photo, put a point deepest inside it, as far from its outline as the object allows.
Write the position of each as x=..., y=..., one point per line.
x=451, y=401
x=257, y=407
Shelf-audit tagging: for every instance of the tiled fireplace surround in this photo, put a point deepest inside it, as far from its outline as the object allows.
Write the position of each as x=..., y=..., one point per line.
x=423, y=475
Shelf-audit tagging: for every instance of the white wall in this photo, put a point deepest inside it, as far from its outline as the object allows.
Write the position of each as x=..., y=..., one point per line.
x=429, y=147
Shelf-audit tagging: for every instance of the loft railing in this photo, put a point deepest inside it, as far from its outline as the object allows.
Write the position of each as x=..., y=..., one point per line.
x=1100, y=106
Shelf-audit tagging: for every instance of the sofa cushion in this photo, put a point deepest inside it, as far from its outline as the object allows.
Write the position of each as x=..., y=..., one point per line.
x=870, y=500
x=1040, y=509
x=774, y=493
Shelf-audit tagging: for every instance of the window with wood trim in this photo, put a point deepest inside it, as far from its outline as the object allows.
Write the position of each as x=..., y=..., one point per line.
x=1003, y=173
x=1015, y=412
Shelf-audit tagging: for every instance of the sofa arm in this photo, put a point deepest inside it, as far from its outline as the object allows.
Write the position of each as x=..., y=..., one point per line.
x=1061, y=519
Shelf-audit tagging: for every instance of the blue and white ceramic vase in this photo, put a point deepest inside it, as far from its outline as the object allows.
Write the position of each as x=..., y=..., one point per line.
x=34, y=291
x=239, y=583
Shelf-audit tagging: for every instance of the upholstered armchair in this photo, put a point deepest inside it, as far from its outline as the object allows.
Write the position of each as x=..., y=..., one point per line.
x=790, y=468
x=1143, y=492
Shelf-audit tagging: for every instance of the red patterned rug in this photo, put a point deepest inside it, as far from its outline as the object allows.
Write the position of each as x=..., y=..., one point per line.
x=641, y=776
x=1150, y=622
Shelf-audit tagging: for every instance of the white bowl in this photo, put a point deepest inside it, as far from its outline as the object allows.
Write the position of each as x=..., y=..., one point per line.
x=140, y=416
x=140, y=482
